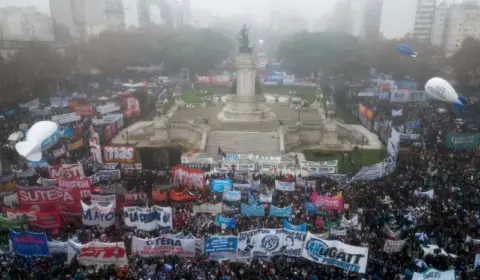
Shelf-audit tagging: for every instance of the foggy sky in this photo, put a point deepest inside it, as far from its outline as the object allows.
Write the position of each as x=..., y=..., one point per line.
x=397, y=18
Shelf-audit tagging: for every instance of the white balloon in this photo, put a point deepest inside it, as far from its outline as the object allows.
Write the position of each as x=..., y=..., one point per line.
x=41, y=136
x=439, y=89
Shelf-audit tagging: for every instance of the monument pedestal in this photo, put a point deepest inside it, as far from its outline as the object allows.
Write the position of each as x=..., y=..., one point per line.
x=246, y=106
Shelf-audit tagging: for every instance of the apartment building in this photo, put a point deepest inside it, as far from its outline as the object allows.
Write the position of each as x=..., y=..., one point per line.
x=424, y=19
x=25, y=24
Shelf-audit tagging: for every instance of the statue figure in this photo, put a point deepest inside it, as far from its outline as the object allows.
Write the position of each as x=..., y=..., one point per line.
x=244, y=41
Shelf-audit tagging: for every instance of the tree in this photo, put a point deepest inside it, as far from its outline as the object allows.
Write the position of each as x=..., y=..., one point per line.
x=465, y=63
x=198, y=49
x=332, y=53
x=384, y=56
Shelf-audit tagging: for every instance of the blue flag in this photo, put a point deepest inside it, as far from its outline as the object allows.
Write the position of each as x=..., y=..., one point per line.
x=29, y=243
x=252, y=200
x=229, y=222
x=287, y=225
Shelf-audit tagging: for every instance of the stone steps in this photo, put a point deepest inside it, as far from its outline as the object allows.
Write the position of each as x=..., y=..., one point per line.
x=237, y=142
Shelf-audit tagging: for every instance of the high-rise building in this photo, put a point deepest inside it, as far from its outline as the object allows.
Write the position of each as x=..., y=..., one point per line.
x=462, y=22
x=439, y=26
x=424, y=18
x=103, y=15
x=172, y=12
x=70, y=14
x=372, y=18
x=25, y=24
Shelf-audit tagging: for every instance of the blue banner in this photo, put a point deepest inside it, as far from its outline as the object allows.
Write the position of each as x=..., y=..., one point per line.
x=248, y=210
x=287, y=225
x=220, y=185
x=252, y=200
x=310, y=208
x=228, y=222
x=217, y=244
x=280, y=212
x=29, y=243
x=413, y=124
x=232, y=195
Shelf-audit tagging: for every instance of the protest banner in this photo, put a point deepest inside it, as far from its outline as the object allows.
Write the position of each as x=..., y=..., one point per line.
x=220, y=185
x=328, y=203
x=183, y=195
x=270, y=242
x=216, y=244
x=96, y=215
x=99, y=253
x=225, y=221
x=432, y=273
x=29, y=244
x=232, y=196
x=335, y=253
x=394, y=246
x=160, y=246
x=104, y=200
x=284, y=186
x=148, y=219
x=289, y=226
x=208, y=208
x=280, y=212
x=188, y=176
x=249, y=210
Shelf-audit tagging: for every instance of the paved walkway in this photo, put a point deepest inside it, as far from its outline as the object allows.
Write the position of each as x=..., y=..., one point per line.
x=373, y=142
x=121, y=138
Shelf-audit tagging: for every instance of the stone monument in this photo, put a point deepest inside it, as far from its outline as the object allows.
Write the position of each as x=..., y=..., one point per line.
x=247, y=105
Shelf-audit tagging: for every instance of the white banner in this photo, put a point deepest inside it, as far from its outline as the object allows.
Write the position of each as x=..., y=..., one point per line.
x=270, y=242
x=265, y=198
x=66, y=118
x=58, y=247
x=159, y=246
x=394, y=246
x=401, y=96
x=338, y=232
x=104, y=200
x=99, y=253
x=335, y=253
x=148, y=219
x=393, y=145
x=432, y=273
x=96, y=215
x=430, y=194
x=284, y=186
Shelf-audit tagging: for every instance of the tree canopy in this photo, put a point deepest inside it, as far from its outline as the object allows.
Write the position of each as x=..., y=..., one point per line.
x=465, y=63
x=332, y=53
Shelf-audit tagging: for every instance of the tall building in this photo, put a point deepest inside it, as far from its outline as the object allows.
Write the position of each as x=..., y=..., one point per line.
x=439, y=26
x=25, y=24
x=341, y=19
x=173, y=13
x=424, y=19
x=103, y=15
x=372, y=18
x=70, y=14
x=462, y=22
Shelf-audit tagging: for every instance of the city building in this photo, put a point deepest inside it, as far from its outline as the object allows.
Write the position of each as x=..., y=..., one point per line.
x=25, y=24
x=462, y=22
x=424, y=18
x=439, y=26
x=341, y=19
x=103, y=15
x=173, y=13
x=70, y=14
x=372, y=18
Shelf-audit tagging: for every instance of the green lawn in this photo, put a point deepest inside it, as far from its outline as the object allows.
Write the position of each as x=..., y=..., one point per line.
x=362, y=158
x=345, y=116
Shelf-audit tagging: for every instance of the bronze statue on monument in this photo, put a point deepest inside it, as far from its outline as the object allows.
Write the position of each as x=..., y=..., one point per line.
x=244, y=40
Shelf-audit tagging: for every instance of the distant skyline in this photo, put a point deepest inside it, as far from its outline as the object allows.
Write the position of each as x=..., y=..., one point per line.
x=314, y=10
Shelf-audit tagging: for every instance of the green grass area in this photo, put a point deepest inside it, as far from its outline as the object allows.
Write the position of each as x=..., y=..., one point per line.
x=345, y=116
x=361, y=158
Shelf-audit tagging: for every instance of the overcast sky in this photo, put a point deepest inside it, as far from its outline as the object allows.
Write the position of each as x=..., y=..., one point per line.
x=394, y=16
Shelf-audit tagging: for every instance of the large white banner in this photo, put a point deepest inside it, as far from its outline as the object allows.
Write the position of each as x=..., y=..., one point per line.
x=432, y=273
x=148, y=219
x=104, y=200
x=270, y=242
x=394, y=246
x=96, y=215
x=335, y=253
x=284, y=186
x=99, y=253
x=164, y=246
x=393, y=143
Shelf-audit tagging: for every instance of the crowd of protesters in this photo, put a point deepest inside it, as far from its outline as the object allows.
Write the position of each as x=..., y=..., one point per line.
x=385, y=207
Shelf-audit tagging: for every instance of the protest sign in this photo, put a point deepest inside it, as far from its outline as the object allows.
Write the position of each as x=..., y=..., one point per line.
x=164, y=246
x=284, y=186
x=394, y=246
x=29, y=243
x=148, y=219
x=100, y=253
x=335, y=253
x=96, y=215
x=217, y=244
x=248, y=210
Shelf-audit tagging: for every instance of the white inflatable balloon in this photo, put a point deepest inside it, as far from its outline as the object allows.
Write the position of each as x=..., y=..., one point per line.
x=439, y=89
x=41, y=136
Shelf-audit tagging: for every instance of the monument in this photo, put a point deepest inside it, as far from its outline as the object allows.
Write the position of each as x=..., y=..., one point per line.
x=248, y=104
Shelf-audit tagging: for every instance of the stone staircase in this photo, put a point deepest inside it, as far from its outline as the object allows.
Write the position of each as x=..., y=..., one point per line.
x=237, y=142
